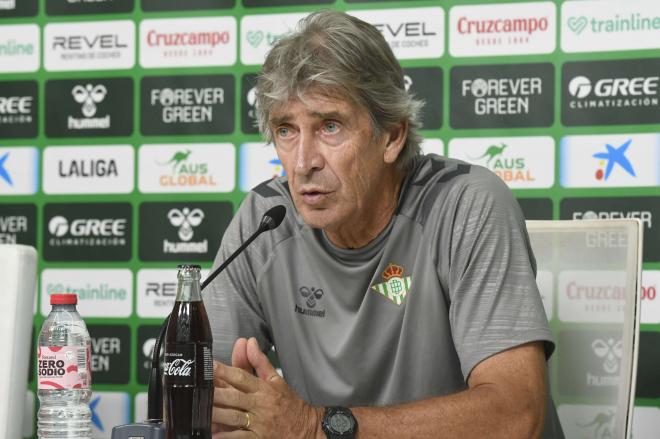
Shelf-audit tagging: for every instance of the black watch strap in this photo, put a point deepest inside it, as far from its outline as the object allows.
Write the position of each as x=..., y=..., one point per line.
x=339, y=423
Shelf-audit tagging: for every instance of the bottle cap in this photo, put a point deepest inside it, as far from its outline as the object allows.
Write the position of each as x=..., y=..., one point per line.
x=63, y=299
x=189, y=267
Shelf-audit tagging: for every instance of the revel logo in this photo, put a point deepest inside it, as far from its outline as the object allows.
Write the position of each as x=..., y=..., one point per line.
x=19, y=101
x=611, y=92
x=199, y=104
x=98, y=107
x=499, y=96
x=87, y=232
x=411, y=33
x=172, y=231
x=101, y=45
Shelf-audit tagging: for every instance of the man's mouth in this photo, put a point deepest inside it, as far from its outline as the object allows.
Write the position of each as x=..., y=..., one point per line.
x=313, y=197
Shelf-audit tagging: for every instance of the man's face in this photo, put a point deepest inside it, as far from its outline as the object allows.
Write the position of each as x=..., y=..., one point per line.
x=334, y=165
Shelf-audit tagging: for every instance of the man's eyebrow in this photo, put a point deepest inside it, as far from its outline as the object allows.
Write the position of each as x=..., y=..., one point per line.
x=279, y=120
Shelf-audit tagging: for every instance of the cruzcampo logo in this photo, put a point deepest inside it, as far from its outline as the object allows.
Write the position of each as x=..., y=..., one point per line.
x=396, y=286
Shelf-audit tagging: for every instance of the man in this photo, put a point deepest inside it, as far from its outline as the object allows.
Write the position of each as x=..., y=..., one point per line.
x=399, y=290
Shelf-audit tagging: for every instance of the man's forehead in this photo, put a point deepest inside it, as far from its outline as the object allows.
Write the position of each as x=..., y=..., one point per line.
x=312, y=103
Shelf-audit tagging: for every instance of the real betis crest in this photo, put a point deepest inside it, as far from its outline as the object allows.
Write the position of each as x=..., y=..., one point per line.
x=396, y=286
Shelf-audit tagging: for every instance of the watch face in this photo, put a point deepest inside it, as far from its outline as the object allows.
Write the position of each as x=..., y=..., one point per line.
x=340, y=423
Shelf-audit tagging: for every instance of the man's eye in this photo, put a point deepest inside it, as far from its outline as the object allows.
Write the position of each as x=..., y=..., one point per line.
x=331, y=127
x=282, y=131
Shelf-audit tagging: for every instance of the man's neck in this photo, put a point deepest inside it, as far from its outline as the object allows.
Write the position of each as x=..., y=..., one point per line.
x=374, y=219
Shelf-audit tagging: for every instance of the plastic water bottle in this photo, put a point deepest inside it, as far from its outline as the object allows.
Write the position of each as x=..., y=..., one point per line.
x=64, y=374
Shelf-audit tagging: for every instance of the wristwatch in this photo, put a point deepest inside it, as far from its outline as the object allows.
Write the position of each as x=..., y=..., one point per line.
x=339, y=423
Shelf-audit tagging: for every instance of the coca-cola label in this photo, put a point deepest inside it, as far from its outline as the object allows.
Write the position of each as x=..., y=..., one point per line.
x=180, y=363
x=63, y=367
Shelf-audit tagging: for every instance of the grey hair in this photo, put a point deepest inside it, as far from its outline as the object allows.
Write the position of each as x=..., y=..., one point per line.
x=341, y=55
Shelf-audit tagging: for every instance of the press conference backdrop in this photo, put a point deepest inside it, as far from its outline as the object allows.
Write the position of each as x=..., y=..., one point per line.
x=127, y=141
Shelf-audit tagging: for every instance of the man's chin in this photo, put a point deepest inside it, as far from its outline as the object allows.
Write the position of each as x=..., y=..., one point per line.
x=316, y=218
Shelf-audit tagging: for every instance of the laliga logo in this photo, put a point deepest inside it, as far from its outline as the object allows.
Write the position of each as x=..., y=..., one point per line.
x=611, y=351
x=89, y=96
x=185, y=219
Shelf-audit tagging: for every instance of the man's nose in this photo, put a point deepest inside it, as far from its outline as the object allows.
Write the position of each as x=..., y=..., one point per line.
x=309, y=157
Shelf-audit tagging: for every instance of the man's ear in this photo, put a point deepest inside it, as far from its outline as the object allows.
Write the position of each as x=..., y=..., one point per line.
x=395, y=141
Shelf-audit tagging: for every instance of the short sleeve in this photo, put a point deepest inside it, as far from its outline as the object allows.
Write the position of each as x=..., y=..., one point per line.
x=231, y=300
x=494, y=300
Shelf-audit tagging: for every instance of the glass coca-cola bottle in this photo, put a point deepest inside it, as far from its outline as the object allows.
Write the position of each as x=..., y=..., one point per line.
x=188, y=369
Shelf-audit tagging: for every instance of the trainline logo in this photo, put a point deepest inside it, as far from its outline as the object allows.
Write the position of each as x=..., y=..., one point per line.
x=598, y=26
x=19, y=48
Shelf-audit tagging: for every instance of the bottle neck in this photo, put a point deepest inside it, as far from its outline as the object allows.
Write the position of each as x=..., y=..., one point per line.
x=188, y=288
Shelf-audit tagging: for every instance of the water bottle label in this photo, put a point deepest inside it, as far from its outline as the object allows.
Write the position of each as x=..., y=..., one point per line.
x=63, y=367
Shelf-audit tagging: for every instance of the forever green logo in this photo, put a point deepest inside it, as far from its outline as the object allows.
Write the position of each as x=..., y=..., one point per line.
x=577, y=24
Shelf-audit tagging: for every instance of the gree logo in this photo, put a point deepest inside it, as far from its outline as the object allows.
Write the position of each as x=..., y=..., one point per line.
x=7, y=5
x=185, y=219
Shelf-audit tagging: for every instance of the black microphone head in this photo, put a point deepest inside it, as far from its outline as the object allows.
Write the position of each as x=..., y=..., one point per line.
x=273, y=218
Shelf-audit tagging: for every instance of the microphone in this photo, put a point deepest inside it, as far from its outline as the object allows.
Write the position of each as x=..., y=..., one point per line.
x=154, y=428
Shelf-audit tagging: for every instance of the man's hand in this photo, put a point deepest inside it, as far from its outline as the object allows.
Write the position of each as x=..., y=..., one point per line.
x=264, y=401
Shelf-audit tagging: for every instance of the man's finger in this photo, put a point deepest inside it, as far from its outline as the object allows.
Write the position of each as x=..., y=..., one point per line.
x=259, y=361
x=239, y=355
x=236, y=377
x=232, y=418
x=232, y=398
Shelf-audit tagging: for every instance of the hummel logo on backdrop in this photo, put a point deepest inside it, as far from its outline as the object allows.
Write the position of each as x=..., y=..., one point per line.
x=185, y=219
x=89, y=96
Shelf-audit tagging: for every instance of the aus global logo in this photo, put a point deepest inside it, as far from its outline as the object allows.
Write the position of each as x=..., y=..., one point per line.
x=521, y=162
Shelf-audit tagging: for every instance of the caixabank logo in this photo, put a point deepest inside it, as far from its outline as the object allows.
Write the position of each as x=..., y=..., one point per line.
x=18, y=8
x=195, y=167
x=87, y=232
x=19, y=102
x=589, y=363
x=19, y=48
x=612, y=160
x=187, y=105
x=84, y=107
x=611, y=92
x=646, y=209
x=18, y=224
x=188, y=5
x=502, y=29
x=100, y=45
x=111, y=353
x=426, y=83
x=188, y=42
x=109, y=409
x=182, y=231
x=521, y=162
x=414, y=33
x=502, y=96
x=259, y=162
x=90, y=169
x=18, y=170
x=79, y=7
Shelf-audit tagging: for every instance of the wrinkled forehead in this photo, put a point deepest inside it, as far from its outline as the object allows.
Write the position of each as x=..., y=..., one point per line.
x=313, y=100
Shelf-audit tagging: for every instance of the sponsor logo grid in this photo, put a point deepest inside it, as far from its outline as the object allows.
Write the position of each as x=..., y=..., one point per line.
x=133, y=155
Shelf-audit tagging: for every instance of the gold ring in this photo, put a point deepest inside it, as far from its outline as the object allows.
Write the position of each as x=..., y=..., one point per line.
x=248, y=421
